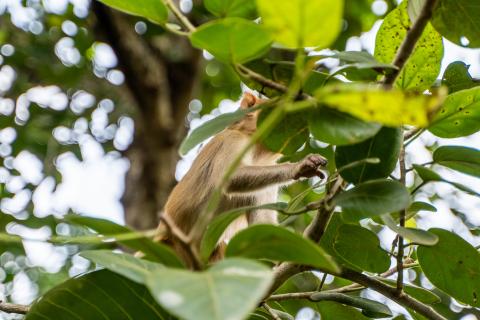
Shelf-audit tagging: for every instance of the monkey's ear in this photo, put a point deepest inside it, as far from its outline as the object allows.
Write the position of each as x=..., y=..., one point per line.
x=248, y=100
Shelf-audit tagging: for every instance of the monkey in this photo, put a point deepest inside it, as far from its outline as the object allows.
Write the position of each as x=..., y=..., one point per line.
x=255, y=182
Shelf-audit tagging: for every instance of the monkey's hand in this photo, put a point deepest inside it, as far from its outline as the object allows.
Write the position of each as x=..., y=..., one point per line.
x=310, y=167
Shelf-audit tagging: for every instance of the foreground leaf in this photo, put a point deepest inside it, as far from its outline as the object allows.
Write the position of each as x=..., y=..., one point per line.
x=126, y=265
x=462, y=159
x=153, y=250
x=230, y=289
x=339, y=128
x=97, y=295
x=416, y=235
x=369, y=307
x=279, y=244
x=360, y=247
x=389, y=107
x=209, y=129
x=423, y=65
x=458, y=274
x=459, y=116
x=456, y=77
x=152, y=10
x=458, y=20
x=231, y=8
x=237, y=40
x=218, y=225
x=295, y=23
x=385, y=146
x=374, y=198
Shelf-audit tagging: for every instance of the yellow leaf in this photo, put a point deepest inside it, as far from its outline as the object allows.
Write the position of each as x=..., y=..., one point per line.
x=391, y=107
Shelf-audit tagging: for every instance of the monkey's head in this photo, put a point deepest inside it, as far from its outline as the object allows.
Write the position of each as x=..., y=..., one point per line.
x=249, y=123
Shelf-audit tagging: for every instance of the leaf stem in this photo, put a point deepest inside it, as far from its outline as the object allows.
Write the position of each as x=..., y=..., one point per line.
x=180, y=16
x=14, y=308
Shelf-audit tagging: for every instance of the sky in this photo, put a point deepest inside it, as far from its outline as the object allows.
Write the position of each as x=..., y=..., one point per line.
x=95, y=185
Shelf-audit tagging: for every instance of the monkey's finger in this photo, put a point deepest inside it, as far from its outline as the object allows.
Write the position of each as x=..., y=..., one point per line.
x=320, y=174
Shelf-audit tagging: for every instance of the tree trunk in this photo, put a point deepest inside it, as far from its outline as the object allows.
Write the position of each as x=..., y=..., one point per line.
x=161, y=89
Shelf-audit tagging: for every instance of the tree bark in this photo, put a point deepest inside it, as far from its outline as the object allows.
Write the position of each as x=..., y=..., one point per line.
x=161, y=85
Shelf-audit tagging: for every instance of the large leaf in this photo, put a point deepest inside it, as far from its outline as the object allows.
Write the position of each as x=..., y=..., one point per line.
x=229, y=290
x=462, y=159
x=288, y=135
x=423, y=65
x=459, y=115
x=153, y=250
x=416, y=235
x=218, y=225
x=338, y=128
x=152, y=10
x=456, y=77
x=279, y=244
x=232, y=39
x=452, y=265
x=385, y=146
x=97, y=295
x=458, y=21
x=372, y=103
x=360, y=247
x=210, y=128
x=296, y=23
x=126, y=265
x=374, y=198
x=231, y=8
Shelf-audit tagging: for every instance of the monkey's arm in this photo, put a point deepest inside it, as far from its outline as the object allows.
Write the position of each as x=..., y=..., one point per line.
x=250, y=178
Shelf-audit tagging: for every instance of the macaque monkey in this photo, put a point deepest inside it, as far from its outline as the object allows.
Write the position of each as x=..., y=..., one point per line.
x=255, y=182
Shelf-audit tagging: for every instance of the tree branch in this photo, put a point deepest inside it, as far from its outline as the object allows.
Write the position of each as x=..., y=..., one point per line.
x=14, y=308
x=180, y=16
x=392, y=293
x=408, y=44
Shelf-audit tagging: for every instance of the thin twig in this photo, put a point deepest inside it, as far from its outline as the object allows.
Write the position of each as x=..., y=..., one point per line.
x=411, y=39
x=180, y=16
x=272, y=312
x=14, y=308
x=400, y=243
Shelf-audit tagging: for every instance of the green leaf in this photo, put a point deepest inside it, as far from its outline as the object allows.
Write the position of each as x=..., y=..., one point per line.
x=335, y=311
x=423, y=65
x=462, y=159
x=453, y=266
x=231, y=289
x=456, y=77
x=419, y=206
x=279, y=244
x=97, y=295
x=126, y=265
x=295, y=23
x=369, y=307
x=428, y=175
x=392, y=107
x=288, y=135
x=416, y=235
x=360, y=65
x=210, y=128
x=232, y=40
x=338, y=128
x=374, y=198
x=458, y=21
x=360, y=247
x=459, y=116
x=218, y=225
x=231, y=8
x=421, y=294
x=152, y=10
x=385, y=145
x=153, y=250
